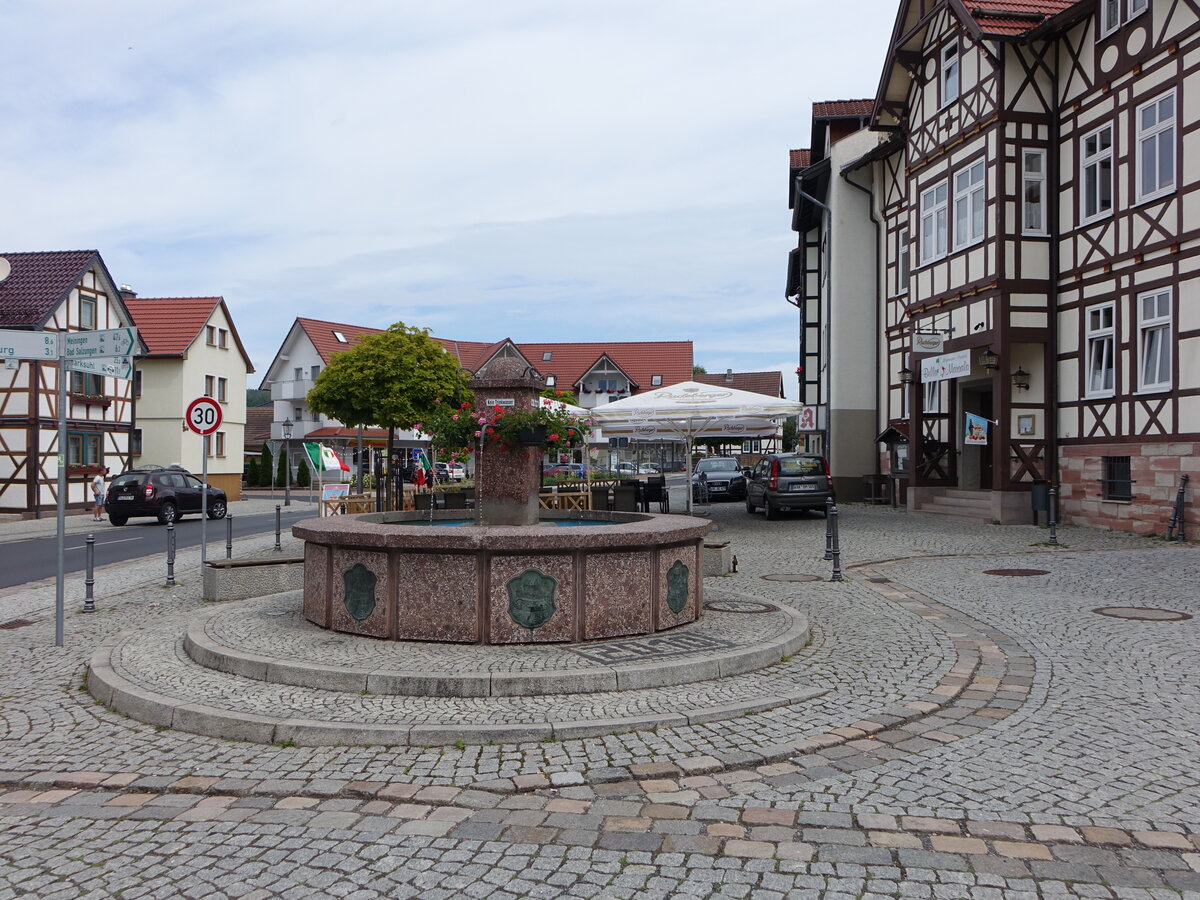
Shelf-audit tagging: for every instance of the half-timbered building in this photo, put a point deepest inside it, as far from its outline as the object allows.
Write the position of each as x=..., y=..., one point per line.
x=1036, y=222
x=59, y=291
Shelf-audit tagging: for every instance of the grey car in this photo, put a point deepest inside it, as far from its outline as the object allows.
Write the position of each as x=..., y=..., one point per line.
x=782, y=482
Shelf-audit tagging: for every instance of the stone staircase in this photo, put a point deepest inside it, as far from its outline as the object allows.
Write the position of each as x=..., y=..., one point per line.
x=959, y=504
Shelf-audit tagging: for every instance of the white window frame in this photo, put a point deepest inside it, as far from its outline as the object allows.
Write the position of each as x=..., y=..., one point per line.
x=1157, y=324
x=210, y=335
x=222, y=389
x=89, y=308
x=935, y=241
x=950, y=72
x=1037, y=178
x=1110, y=18
x=1096, y=161
x=903, y=262
x=972, y=198
x=931, y=397
x=1161, y=131
x=210, y=386
x=1136, y=8
x=1097, y=338
x=223, y=338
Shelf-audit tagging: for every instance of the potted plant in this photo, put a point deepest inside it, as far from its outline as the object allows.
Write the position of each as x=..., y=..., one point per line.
x=459, y=429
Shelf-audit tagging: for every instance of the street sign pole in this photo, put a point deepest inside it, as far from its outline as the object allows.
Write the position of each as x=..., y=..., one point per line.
x=204, y=504
x=62, y=494
x=203, y=417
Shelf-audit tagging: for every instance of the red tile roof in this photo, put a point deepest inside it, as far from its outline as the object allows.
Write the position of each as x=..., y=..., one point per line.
x=1011, y=18
x=568, y=362
x=769, y=383
x=841, y=109
x=798, y=159
x=322, y=337
x=372, y=435
x=38, y=283
x=258, y=426
x=168, y=325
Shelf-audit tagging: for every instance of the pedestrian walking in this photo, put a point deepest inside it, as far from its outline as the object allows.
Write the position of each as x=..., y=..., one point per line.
x=98, y=495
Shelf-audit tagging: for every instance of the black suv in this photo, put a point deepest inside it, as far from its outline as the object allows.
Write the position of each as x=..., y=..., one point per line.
x=786, y=481
x=167, y=493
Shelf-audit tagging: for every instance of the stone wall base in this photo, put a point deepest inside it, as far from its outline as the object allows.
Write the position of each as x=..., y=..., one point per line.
x=1155, y=468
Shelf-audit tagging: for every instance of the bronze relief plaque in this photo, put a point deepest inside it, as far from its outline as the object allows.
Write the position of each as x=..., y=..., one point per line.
x=677, y=587
x=360, y=591
x=531, y=598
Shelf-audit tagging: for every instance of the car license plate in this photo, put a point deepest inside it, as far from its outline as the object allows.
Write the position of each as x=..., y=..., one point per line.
x=716, y=488
x=124, y=498
x=804, y=487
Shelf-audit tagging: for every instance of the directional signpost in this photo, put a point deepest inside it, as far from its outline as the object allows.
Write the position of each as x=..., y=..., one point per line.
x=204, y=417
x=107, y=353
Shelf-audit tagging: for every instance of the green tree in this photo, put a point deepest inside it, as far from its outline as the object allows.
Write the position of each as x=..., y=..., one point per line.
x=282, y=476
x=561, y=396
x=251, y=474
x=699, y=370
x=791, y=433
x=392, y=380
x=265, y=462
x=303, y=478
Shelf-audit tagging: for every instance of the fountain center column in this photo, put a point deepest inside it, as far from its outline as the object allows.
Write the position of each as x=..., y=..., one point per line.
x=507, y=481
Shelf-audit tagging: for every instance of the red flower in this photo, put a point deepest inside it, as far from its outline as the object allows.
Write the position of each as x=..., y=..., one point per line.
x=554, y=437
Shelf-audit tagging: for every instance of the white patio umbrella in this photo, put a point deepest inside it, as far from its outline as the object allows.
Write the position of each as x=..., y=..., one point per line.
x=690, y=410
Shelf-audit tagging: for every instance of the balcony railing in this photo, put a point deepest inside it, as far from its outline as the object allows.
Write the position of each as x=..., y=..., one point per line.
x=291, y=390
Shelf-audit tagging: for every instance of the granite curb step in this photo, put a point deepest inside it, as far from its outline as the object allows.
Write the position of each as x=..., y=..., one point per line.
x=152, y=708
x=683, y=668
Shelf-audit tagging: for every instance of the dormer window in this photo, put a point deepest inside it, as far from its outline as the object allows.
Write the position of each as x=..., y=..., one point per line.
x=547, y=355
x=341, y=338
x=950, y=72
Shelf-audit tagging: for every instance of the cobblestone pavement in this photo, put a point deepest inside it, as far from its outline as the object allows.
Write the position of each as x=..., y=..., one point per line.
x=983, y=736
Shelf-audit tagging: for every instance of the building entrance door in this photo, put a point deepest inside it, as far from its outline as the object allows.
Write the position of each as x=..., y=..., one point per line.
x=976, y=469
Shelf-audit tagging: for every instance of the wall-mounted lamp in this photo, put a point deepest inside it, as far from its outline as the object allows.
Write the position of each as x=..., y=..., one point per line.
x=1020, y=379
x=989, y=359
x=906, y=375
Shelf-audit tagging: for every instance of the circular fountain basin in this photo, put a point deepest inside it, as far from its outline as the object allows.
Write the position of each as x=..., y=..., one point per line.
x=413, y=576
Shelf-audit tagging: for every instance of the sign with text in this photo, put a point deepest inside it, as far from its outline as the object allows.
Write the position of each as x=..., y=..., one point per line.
x=90, y=344
x=503, y=401
x=928, y=341
x=945, y=367
x=112, y=366
x=28, y=345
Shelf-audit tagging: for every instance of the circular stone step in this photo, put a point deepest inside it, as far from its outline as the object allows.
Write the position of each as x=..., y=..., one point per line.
x=269, y=640
x=148, y=676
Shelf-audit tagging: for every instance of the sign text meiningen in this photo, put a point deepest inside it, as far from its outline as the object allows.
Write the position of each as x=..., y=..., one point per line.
x=946, y=366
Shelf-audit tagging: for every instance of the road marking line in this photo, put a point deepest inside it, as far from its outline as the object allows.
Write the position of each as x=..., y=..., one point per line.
x=102, y=543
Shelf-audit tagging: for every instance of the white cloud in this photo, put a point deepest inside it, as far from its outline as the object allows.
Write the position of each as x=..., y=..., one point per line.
x=606, y=170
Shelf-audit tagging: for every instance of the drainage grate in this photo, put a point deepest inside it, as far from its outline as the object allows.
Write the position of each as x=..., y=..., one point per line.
x=879, y=579
x=740, y=606
x=1142, y=613
x=791, y=578
x=1015, y=573
x=15, y=623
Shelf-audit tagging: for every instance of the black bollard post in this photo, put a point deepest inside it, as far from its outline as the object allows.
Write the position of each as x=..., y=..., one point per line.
x=170, y=554
x=828, y=529
x=229, y=537
x=1052, y=514
x=89, y=580
x=278, y=546
x=835, y=549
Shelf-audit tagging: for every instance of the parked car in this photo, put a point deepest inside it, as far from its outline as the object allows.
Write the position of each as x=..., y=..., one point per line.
x=789, y=481
x=449, y=471
x=626, y=469
x=573, y=470
x=649, y=469
x=720, y=477
x=167, y=493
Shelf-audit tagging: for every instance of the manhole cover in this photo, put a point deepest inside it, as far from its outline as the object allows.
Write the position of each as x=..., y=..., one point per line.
x=1015, y=573
x=791, y=578
x=15, y=623
x=741, y=606
x=1142, y=613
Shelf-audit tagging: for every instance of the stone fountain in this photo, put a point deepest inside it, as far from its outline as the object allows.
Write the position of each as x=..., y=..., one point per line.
x=513, y=574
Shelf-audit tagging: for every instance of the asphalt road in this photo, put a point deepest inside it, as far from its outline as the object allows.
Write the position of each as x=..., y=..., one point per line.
x=32, y=559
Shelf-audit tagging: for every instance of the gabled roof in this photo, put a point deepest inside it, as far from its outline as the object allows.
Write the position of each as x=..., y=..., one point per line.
x=258, y=426
x=769, y=383
x=798, y=159
x=324, y=340
x=1013, y=18
x=169, y=325
x=39, y=283
x=842, y=109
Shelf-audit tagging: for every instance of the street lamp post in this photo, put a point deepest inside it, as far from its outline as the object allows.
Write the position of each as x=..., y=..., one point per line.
x=287, y=462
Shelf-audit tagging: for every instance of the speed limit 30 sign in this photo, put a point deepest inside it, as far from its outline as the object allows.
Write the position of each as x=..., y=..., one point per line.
x=204, y=415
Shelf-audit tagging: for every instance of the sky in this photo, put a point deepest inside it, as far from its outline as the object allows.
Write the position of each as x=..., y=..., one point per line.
x=544, y=171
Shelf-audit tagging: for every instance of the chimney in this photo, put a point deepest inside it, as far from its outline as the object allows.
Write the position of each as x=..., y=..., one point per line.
x=127, y=293
x=729, y=376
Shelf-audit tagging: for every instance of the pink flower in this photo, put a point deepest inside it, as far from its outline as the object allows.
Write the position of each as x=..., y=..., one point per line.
x=454, y=418
x=478, y=433
x=483, y=420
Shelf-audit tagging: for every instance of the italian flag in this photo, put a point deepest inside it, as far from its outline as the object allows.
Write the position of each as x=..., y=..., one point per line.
x=424, y=473
x=324, y=459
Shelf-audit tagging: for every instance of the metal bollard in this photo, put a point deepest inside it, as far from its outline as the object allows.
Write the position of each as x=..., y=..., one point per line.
x=89, y=581
x=170, y=554
x=228, y=536
x=278, y=546
x=1052, y=514
x=835, y=549
x=828, y=529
